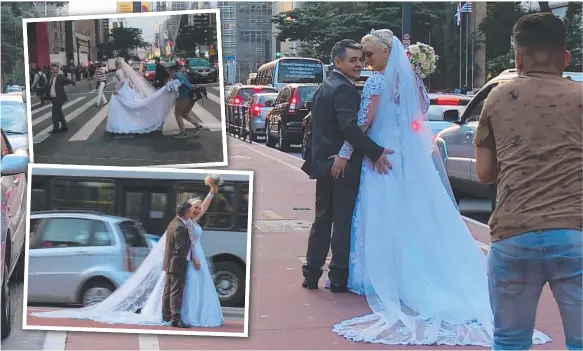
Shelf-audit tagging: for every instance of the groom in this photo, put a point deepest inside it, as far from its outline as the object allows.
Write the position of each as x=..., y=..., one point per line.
x=176, y=257
x=334, y=111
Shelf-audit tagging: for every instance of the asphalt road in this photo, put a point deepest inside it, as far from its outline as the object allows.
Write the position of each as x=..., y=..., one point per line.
x=87, y=143
x=21, y=339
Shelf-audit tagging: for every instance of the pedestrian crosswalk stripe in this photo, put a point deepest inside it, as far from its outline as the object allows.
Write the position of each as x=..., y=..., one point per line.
x=55, y=340
x=40, y=137
x=48, y=115
x=47, y=105
x=148, y=342
x=88, y=128
x=214, y=98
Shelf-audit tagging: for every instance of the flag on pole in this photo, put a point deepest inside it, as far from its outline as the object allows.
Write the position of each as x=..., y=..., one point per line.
x=462, y=6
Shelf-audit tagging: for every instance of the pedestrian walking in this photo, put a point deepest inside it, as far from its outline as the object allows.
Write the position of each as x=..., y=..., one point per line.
x=56, y=92
x=529, y=142
x=101, y=77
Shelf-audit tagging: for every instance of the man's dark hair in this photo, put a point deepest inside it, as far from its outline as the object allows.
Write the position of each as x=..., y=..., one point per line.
x=55, y=65
x=183, y=208
x=340, y=48
x=540, y=32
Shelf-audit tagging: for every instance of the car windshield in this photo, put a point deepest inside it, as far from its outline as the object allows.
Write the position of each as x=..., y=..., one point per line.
x=198, y=63
x=264, y=98
x=435, y=112
x=306, y=93
x=247, y=93
x=13, y=117
x=151, y=67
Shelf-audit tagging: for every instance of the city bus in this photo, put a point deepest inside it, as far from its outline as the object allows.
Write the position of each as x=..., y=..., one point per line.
x=288, y=70
x=150, y=197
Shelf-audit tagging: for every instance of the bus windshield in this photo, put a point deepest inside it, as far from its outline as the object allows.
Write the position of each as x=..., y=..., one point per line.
x=300, y=71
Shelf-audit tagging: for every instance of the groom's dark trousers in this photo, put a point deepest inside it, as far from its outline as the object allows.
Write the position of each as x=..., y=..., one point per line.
x=175, y=266
x=334, y=120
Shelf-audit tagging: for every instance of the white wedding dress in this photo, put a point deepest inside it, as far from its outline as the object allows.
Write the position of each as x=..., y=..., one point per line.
x=138, y=108
x=144, y=290
x=412, y=255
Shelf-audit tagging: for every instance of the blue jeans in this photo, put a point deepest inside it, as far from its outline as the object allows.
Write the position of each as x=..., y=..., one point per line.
x=518, y=269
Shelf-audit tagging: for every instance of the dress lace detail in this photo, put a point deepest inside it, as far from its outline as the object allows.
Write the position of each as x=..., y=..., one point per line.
x=373, y=86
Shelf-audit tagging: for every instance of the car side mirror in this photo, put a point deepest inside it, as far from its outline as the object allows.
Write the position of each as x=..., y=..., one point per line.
x=309, y=105
x=14, y=164
x=451, y=116
x=268, y=103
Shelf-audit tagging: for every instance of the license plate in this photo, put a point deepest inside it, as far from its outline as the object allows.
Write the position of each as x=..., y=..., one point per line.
x=204, y=74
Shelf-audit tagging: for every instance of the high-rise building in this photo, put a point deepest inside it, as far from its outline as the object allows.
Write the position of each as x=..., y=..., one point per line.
x=173, y=23
x=255, y=35
x=228, y=28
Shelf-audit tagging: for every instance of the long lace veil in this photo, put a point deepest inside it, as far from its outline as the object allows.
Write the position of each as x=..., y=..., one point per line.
x=129, y=297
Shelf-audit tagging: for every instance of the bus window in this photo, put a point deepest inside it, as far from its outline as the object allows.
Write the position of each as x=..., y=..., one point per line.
x=220, y=212
x=300, y=71
x=133, y=207
x=243, y=208
x=85, y=195
x=38, y=200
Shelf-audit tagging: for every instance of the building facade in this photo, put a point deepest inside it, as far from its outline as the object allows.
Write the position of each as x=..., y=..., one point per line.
x=254, y=35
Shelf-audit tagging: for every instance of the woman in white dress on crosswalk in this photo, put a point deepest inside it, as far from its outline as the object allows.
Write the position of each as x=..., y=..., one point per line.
x=135, y=106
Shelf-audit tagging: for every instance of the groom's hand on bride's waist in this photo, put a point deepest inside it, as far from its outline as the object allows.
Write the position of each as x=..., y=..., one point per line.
x=382, y=165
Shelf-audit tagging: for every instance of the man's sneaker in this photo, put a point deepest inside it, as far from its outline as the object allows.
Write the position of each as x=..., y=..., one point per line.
x=198, y=129
x=180, y=135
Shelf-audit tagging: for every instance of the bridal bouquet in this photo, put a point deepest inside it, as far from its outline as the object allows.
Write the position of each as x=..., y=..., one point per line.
x=423, y=59
x=217, y=180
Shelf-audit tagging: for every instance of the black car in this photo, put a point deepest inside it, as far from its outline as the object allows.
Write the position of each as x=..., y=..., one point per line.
x=201, y=70
x=283, y=125
x=307, y=125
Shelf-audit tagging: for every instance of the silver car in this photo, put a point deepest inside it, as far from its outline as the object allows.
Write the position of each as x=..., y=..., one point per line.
x=257, y=109
x=14, y=119
x=13, y=225
x=456, y=146
x=81, y=257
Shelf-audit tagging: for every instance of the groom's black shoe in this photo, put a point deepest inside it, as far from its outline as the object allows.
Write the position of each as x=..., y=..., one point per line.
x=338, y=288
x=179, y=324
x=310, y=285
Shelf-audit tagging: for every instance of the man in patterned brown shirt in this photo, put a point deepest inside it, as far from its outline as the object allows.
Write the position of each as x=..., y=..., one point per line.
x=529, y=141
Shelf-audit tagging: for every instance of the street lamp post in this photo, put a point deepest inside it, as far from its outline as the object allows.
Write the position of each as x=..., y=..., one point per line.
x=78, y=58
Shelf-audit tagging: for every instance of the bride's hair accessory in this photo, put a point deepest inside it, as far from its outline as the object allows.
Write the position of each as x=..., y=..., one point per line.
x=217, y=180
x=384, y=35
x=423, y=59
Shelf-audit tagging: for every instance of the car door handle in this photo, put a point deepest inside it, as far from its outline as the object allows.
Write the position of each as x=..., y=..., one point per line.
x=469, y=134
x=82, y=252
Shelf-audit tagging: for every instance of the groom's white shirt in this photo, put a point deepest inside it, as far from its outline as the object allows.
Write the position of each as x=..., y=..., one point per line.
x=188, y=257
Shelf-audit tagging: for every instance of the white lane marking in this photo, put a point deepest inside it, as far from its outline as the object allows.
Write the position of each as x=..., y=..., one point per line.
x=148, y=342
x=47, y=105
x=40, y=137
x=208, y=120
x=274, y=158
x=214, y=98
x=89, y=127
x=48, y=115
x=55, y=341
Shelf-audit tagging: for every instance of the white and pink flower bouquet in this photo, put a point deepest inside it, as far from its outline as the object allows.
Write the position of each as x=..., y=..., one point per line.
x=423, y=59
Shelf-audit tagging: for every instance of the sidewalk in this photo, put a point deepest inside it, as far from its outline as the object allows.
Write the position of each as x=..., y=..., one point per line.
x=283, y=315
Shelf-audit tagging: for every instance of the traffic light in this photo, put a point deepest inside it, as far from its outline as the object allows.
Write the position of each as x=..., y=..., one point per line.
x=278, y=54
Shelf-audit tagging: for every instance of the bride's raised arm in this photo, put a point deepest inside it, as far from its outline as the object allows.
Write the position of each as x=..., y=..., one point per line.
x=209, y=198
x=370, y=97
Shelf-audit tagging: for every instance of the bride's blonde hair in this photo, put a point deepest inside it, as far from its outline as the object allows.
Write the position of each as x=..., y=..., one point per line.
x=382, y=37
x=195, y=202
x=118, y=62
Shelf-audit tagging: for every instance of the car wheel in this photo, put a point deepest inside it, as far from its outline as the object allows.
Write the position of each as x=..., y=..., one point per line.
x=96, y=291
x=19, y=273
x=268, y=137
x=230, y=283
x=283, y=140
x=6, y=314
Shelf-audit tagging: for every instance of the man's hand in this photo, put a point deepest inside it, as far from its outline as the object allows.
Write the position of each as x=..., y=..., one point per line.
x=382, y=165
x=338, y=166
x=196, y=264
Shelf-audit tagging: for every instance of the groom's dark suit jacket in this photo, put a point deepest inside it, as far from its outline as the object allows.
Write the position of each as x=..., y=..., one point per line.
x=60, y=82
x=334, y=120
x=177, y=247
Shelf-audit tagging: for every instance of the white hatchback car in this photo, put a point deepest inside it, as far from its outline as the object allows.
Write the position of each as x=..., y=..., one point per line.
x=81, y=257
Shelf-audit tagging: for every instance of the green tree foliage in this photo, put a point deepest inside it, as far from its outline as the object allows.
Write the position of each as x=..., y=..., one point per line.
x=125, y=39
x=574, y=20
x=321, y=24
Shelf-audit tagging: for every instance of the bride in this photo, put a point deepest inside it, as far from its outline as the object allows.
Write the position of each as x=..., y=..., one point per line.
x=135, y=106
x=412, y=254
x=144, y=289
